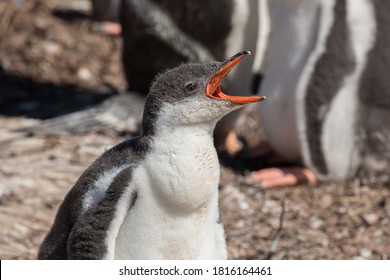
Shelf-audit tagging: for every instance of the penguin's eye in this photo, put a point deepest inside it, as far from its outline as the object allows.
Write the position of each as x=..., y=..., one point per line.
x=191, y=86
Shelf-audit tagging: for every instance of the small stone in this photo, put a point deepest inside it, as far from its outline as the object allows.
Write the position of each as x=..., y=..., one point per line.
x=342, y=210
x=326, y=201
x=371, y=218
x=84, y=74
x=42, y=23
x=365, y=253
x=316, y=223
x=51, y=48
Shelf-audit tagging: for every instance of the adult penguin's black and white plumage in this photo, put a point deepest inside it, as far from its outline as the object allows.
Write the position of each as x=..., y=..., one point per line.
x=154, y=196
x=327, y=78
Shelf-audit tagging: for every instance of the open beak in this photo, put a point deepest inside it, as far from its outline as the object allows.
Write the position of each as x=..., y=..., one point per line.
x=213, y=88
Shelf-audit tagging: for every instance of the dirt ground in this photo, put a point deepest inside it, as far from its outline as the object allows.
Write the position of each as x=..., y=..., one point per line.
x=51, y=63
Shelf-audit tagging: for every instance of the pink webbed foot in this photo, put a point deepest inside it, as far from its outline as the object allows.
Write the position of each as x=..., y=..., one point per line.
x=281, y=177
x=232, y=145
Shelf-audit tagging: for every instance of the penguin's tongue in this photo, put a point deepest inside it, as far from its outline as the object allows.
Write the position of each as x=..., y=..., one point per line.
x=213, y=88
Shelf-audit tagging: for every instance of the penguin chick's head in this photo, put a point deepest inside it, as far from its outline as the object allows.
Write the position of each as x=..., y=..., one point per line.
x=191, y=94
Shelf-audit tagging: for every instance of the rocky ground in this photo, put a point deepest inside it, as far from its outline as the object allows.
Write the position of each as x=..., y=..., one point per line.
x=51, y=63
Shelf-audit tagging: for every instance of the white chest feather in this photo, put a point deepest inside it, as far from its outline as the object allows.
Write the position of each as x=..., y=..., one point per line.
x=176, y=212
x=186, y=175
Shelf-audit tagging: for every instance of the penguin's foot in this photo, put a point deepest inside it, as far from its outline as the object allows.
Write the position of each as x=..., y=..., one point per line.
x=108, y=28
x=232, y=144
x=281, y=177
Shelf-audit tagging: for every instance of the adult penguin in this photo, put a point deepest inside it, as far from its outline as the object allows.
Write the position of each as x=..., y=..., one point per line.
x=326, y=76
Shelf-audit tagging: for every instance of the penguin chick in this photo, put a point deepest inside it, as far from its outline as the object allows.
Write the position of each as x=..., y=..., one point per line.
x=154, y=196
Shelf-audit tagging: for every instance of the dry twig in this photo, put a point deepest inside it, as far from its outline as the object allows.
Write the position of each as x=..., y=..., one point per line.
x=279, y=232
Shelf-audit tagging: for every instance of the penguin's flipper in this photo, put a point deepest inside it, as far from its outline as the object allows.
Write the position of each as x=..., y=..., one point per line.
x=281, y=177
x=53, y=246
x=93, y=235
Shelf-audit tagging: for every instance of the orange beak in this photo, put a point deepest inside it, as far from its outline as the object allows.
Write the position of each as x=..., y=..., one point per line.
x=213, y=88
